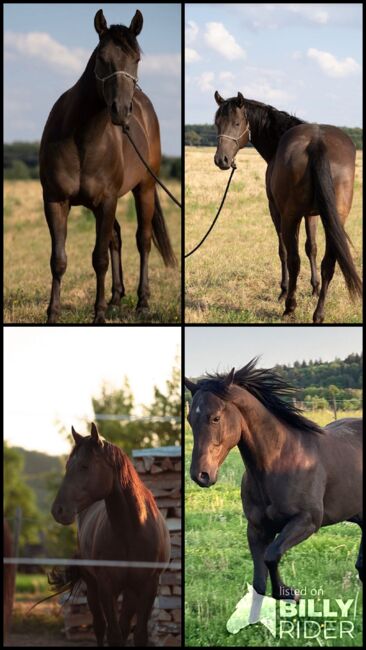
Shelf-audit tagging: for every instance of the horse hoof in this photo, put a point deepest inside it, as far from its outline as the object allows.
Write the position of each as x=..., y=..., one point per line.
x=288, y=311
x=52, y=319
x=99, y=320
x=287, y=593
x=142, y=306
x=318, y=319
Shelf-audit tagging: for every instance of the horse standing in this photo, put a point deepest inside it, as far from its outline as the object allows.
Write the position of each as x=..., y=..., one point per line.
x=299, y=476
x=117, y=519
x=85, y=159
x=310, y=171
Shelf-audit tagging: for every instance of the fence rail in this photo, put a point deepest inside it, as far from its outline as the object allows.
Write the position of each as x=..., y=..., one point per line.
x=108, y=563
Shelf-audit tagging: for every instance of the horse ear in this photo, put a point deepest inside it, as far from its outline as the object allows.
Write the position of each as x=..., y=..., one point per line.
x=95, y=435
x=230, y=378
x=190, y=385
x=100, y=22
x=219, y=99
x=240, y=100
x=77, y=437
x=136, y=23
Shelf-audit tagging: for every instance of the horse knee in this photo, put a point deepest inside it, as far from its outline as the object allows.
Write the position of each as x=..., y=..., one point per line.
x=58, y=264
x=100, y=261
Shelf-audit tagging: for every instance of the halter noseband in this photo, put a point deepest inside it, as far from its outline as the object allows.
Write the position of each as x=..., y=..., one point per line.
x=230, y=137
x=126, y=74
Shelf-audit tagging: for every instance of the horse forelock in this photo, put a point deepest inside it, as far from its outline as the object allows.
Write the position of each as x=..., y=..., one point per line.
x=121, y=36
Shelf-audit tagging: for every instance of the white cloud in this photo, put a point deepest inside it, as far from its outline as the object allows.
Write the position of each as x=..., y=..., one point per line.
x=162, y=64
x=41, y=46
x=310, y=11
x=263, y=91
x=226, y=76
x=204, y=81
x=191, y=55
x=191, y=32
x=218, y=38
x=331, y=66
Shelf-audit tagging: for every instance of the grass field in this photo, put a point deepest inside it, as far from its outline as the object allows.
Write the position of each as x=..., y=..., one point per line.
x=27, y=274
x=218, y=563
x=234, y=277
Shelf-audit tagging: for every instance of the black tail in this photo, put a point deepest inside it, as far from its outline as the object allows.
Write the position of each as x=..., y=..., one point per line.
x=335, y=234
x=66, y=579
x=161, y=236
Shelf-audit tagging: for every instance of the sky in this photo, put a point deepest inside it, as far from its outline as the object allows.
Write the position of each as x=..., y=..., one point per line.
x=217, y=349
x=50, y=375
x=302, y=58
x=47, y=47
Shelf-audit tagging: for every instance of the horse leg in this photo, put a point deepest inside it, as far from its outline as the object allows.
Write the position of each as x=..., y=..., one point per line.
x=290, y=233
x=115, y=246
x=109, y=604
x=128, y=609
x=56, y=215
x=258, y=542
x=104, y=216
x=96, y=610
x=146, y=602
x=276, y=218
x=300, y=527
x=145, y=204
x=311, y=251
x=327, y=271
x=359, y=562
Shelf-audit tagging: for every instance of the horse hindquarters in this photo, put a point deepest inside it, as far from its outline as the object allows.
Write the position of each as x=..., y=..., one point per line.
x=337, y=248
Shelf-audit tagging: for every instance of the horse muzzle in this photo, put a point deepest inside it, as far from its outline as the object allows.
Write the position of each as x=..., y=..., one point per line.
x=204, y=479
x=222, y=161
x=61, y=515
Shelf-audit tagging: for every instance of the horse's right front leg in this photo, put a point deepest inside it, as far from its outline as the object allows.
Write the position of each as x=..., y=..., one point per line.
x=109, y=604
x=115, y=248
x=104, y=219
x=258, y=541
x=56, y=215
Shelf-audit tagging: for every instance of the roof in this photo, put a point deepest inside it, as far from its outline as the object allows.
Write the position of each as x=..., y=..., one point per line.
x=158, y=451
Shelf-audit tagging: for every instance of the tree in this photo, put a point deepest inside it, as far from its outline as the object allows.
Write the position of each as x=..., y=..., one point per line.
x=17, y=493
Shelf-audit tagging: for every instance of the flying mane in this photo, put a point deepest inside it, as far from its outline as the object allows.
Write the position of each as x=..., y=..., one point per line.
x=268, y=387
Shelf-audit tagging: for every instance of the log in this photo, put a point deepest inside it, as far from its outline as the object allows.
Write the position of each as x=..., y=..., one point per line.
x=174, y=523
x=171, y=578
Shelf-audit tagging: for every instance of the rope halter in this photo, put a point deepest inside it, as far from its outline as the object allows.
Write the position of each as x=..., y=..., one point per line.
x=230, y=137
x=126, y=74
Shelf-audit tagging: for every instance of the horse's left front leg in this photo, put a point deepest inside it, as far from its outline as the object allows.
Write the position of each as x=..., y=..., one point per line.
x=145, y=205
x=146, y=602
x=115, y=248
x=300, y=527
x=104, y=215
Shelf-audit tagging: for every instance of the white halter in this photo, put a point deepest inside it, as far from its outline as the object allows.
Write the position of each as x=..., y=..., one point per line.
x=230, y=137
x=126, y=74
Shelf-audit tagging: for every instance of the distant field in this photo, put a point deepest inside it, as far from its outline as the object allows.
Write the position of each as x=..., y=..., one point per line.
x=234, y=277
x=218, y=564
x=27, y=274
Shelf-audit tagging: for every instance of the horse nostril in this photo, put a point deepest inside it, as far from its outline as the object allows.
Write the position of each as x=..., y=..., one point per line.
x=204, y=477
x=226, y=160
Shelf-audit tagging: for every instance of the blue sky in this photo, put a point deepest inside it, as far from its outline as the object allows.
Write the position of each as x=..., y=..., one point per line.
x=214, y=349
x=47, y=47
x=302, y=58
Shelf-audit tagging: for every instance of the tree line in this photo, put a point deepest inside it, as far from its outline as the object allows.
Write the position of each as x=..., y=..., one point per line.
x=320, y=384
x=205, y=135
x=21, y=162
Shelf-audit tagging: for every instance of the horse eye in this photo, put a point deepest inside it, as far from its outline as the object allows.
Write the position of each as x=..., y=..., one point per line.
x=216, y=419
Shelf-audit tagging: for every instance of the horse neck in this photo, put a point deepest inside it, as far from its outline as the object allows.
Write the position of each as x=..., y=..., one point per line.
x=125, y=507
x=262, y=136
x=85, y=90
x=263, y=436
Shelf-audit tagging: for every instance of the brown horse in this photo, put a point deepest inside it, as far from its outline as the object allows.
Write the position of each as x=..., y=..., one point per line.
x=117, y=519
x=86, y=159
x=310, y=171
x=299, y=476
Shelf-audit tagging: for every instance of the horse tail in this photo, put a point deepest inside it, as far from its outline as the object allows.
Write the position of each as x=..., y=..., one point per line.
x=161, y=236
x=61, y=580
x=336, y=237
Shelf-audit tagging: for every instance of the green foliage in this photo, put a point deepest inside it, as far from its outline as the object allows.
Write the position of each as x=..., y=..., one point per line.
x=205, y=135
x=18, y=494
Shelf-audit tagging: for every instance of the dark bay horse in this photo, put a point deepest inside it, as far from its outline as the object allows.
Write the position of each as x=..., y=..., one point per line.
x=86, y=159
x=310, y=172
x=117, y=519
x=299, y=476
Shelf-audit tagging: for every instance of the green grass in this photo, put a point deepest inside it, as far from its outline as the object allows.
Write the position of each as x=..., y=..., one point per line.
x=27, y=249
x=218, y=564
x=34, y=583
x=234, y=277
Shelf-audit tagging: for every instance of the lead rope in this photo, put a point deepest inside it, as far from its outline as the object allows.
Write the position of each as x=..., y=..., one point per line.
x=126, y=132
x=217, y=215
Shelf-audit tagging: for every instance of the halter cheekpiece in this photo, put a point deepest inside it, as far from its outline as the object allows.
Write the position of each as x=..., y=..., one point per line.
x=126, y=74
x=230, y=137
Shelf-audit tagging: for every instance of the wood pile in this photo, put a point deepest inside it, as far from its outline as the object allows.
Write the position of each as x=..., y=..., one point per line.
x=161, y=471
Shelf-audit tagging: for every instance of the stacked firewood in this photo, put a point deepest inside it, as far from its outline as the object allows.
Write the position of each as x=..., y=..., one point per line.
x=161, y=471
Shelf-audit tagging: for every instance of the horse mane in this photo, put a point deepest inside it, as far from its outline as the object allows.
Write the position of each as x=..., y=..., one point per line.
x=122, y=37
x=263, y=115
x=130, y=480
x=268, y=387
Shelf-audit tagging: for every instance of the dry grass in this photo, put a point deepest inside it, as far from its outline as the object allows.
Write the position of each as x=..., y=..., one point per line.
x=27, y=249
x=235, y=276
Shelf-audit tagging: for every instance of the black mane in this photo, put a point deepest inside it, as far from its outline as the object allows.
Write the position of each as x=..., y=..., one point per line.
x=268, y=387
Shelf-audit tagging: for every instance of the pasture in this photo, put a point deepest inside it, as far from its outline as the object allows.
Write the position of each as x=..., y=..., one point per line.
x=218, y=564
x=27, y=250
x=234, y=277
